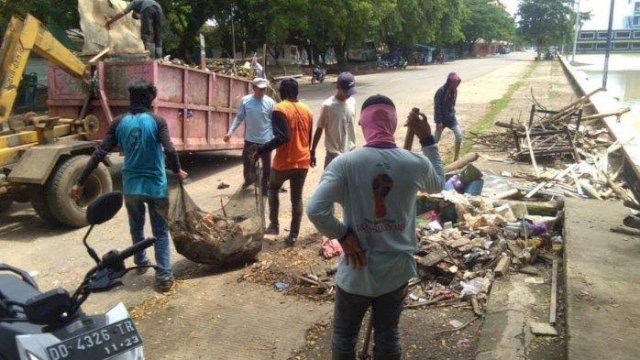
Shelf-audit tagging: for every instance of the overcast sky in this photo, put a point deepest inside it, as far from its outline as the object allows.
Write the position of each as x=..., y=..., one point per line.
x=599, y=11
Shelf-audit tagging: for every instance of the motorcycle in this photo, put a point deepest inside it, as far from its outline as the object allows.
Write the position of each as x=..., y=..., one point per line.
x=318, y=74
x=51, y=325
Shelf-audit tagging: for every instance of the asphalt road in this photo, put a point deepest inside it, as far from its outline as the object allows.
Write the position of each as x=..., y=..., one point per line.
x=57, y=258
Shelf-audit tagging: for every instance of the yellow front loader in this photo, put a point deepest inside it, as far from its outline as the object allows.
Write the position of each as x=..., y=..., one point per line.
x=41, y=157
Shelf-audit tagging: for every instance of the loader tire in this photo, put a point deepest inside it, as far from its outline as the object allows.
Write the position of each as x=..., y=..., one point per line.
x=66, y=210
x=38, y=199
x=5, y=204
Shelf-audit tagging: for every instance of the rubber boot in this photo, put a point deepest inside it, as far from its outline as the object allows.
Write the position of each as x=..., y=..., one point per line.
x=342, y=355
x=151, y=48
x=380, y=356
x=158, y=52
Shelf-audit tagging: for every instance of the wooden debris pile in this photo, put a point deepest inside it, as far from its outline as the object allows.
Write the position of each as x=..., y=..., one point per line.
x=461, y=262
x=593, y=163
x=229, y=67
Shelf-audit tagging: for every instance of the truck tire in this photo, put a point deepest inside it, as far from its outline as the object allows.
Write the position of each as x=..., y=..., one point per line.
x=64, y=209
x=5, y=203
x=38, y=199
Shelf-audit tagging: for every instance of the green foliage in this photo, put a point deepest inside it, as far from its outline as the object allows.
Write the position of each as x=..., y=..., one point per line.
x=487, y=21
x=545, y=22
x=61, y=12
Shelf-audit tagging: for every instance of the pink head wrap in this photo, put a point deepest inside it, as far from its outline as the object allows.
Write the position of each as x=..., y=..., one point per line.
x=379, y=122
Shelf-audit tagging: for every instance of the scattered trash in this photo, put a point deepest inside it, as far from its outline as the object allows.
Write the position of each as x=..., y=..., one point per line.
x=223, y=185
x=330, y=248
x=281, y=285
x=544, y=329
x=455, y=323
x=534, y=280
x=464, y=343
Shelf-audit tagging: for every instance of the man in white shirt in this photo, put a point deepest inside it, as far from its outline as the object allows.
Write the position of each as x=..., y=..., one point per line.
x=337, y=121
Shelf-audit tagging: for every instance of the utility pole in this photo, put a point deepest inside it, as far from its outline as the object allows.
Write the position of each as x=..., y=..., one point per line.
x=575, y=39
x=605, y=73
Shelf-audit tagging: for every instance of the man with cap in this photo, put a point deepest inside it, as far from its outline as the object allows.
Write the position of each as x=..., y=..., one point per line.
x=337, y=121
x=150, y=14
x=444, y=111
x=292, y=129
x=376, y=185
x=255, y=110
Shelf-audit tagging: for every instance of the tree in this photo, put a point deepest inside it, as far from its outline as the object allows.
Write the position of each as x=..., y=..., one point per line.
x=545, y=22
x=61, y=12
x=486, y=21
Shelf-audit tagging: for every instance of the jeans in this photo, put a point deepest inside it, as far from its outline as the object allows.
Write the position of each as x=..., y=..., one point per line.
x=349, y=311
x=136, y=210
x=296, y=179
x=248, y=169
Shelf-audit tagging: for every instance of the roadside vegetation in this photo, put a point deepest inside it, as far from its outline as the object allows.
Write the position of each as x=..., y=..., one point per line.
x=332, y=26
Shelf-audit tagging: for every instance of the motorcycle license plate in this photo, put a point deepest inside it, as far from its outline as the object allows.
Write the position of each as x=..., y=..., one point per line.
x=102, y=343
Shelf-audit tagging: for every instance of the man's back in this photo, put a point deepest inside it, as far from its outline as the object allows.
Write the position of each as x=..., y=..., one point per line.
x=337, y=118
x=377, y=189
x=143, y=172
x=295, y=153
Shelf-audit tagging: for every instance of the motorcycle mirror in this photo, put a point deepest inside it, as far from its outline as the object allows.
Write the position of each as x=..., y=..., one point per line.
x=104, y=208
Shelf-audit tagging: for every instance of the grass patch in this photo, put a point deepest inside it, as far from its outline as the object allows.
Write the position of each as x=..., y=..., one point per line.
x=495, y=107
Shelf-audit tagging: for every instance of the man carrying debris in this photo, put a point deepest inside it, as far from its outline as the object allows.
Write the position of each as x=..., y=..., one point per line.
x=292, y=129
x=150, y=14
x=376, y=186
x=444, y=111
x=255, y=110
x=337, y=120
x=142, y=136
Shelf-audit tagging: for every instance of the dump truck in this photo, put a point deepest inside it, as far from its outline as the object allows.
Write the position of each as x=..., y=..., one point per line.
x=42, y=156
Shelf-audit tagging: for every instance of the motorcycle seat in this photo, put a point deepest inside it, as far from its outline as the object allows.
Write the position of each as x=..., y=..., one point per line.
x=15, y=289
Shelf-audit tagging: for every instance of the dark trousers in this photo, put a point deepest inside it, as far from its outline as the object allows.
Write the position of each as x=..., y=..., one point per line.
x=151, y=27
x=349, y=311
x=296, y=179
x=249, y=170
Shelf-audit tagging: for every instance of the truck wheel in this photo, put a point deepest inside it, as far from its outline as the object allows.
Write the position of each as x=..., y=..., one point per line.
x=5, y=203
x=38, y=198
x=66, y=210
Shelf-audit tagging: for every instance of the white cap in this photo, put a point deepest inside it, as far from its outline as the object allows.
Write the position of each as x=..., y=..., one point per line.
x=260, y=83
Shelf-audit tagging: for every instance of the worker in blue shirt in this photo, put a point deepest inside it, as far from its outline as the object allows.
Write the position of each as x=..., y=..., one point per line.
x=144, y=140
x=255, y=110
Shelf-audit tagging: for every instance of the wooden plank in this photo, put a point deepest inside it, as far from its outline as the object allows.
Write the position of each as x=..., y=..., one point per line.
x=432, y=259
x=553, y=307
x=459, y=164
x=533, y=156
x=503, y=265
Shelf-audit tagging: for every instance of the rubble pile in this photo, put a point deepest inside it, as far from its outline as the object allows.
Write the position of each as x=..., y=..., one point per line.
x=461, y=262
x=219, y=66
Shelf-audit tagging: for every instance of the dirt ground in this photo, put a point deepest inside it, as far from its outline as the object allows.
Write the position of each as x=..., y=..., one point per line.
x=229, y=314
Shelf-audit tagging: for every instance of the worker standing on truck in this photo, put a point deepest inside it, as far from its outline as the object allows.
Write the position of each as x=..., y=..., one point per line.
x=150, y=14
x=142, y=136
x=255, y=110
x=376, y=186
x=337, y=120
x=444, y=111
x=292, y=129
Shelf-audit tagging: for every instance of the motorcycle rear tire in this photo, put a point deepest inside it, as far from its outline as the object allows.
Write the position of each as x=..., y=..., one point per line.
x=321, y=80
x=313, y=80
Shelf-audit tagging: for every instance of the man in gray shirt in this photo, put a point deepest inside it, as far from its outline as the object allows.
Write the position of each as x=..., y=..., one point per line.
x=376, y=186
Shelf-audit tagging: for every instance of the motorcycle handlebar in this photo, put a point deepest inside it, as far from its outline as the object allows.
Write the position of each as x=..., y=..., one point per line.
x=128, y=252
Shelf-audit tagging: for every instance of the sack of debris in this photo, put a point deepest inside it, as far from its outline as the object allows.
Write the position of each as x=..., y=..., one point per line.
x=229, y=236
